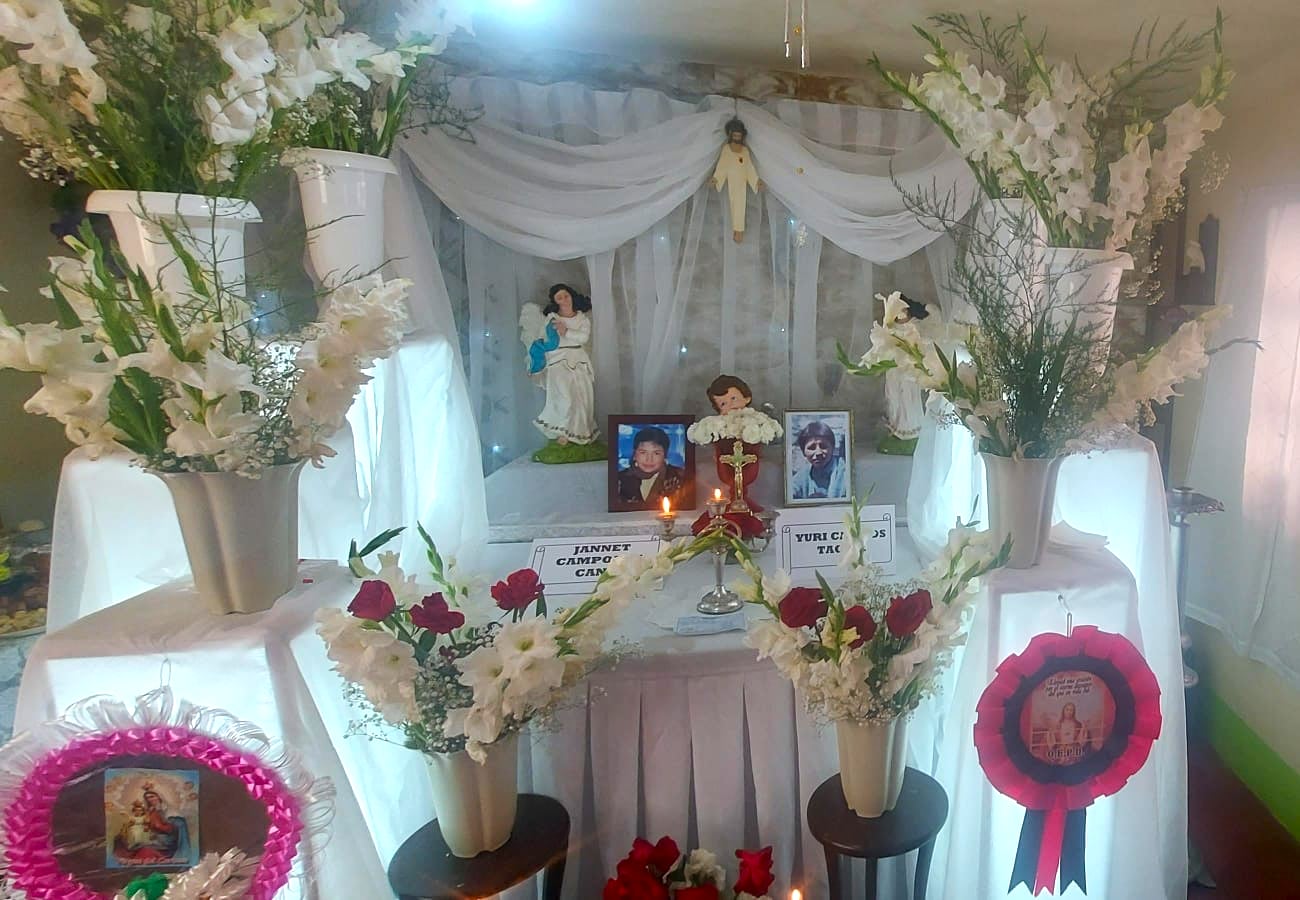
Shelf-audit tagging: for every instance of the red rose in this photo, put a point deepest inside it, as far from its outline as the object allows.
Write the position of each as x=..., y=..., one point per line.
x=698, y=892
x=374, y=601
x=634, y=882
x=859, y=617
x=801, y=608
x=434, y=614
x=518, y=590
x=905, y=614
x=661, y=858
x=755, y=872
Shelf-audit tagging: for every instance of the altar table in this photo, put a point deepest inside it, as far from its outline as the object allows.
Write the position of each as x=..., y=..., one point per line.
x=688, y=736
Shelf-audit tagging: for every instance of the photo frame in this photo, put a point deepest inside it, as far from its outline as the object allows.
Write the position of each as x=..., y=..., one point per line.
x=109, y=794
x=818, y=454
x=666, y=450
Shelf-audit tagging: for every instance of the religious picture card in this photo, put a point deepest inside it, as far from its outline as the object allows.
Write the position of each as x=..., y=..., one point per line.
x=151, y=818
x=818, y=457
x=650, y=460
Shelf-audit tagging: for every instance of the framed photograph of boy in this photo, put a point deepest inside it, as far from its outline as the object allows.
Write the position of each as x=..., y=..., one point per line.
x=650, y=459
x=818, y=456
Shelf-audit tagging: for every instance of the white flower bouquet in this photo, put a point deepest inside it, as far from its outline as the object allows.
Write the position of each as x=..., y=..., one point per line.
x=183, y=381
x=201, y=96
x=354, y=92
x=746, y=424
x=870, y=651
x=1034, y=387
x=432, y=661
x=1098, y=154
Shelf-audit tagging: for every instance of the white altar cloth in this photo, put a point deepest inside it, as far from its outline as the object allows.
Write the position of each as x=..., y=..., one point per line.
x=527, y=500
x=267, y=668
x=692, y=736
x=1136, y=846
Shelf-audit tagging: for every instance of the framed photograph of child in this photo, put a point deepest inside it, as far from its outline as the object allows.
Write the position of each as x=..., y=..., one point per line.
x=818, y=456
x=650, y=459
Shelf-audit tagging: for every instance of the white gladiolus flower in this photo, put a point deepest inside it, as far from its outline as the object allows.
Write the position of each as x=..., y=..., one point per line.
x=146, y=19
x=343, y=55
x=78, y=399
x=296, y=78
x=245, y=49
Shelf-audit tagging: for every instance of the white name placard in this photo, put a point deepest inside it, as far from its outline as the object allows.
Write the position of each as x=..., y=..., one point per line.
x=570, y=566
x=811, y=540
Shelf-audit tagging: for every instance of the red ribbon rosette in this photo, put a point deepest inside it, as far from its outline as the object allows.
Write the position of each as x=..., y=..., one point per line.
x=1070, y=719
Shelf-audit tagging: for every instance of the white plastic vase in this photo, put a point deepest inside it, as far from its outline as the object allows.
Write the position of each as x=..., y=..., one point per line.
x=343, y=207
x=1022, y=494
x=241, y=534
x=873, y=761
x=475, y=804
x=210, y=228
x=1087, y=282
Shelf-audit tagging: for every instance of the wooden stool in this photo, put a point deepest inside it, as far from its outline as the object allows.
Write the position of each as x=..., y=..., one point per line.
x=424, y=869
x=911, y=825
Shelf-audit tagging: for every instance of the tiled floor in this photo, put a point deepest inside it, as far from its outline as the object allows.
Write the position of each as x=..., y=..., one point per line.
x=1248, y=852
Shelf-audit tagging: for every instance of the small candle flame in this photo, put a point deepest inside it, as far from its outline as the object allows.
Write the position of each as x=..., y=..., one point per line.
x=717, y=495
x=796, y=895
x=668, y=508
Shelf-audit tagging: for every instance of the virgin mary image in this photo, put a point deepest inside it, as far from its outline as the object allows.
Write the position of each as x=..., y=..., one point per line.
x=151, y=837
x=558, y=338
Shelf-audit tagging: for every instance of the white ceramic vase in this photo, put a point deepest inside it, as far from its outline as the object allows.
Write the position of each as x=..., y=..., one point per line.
x=1087, y=282
x=241, y=534
x=210, y=228
x=343, y=206
x=873, y=761
x=475, y=804
x=1021, y=496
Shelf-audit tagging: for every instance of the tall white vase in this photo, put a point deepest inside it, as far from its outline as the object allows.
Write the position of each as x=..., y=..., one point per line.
x=241, y=534
x=873, y=761
x=1087, y=282
x=210, y=228
x=343, y=206
x=1022, y=494
x=475, y=804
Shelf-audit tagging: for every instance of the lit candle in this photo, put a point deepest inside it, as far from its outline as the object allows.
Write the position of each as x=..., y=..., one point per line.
x=795, y=895
x=717, y=495
x=668, y=509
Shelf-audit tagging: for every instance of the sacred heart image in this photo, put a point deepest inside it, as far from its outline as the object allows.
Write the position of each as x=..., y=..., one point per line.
x=151, y=818
x=1066, y=722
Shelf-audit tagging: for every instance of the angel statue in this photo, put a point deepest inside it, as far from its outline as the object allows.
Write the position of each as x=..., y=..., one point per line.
x=557, y=337
x=736, y=172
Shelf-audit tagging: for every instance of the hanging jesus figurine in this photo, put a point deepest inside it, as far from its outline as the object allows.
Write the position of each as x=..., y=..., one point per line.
x=736, y=172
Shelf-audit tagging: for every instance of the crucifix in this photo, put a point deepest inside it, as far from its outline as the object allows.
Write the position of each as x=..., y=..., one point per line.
x=738, y=459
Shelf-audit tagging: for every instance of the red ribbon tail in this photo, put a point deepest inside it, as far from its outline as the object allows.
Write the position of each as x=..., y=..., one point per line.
x=1049, y=853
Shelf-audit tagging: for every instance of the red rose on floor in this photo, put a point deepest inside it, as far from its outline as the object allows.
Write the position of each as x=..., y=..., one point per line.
x=634, y=882
x=434, y=614
x=374, y=601
x=699, y=892
x=905, y=614
x=801, y=608
x=518, y=590
x=755, y=872
x=662, y=857
x=859, y=618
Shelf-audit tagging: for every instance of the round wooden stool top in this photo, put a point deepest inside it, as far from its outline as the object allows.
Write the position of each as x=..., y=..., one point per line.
x=921, y=811
x=424, y=868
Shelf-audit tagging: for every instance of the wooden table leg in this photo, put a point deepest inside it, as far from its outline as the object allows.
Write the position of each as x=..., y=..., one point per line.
x=553, y=880
x=923, y=856
x=833, y=874
x=871, y=879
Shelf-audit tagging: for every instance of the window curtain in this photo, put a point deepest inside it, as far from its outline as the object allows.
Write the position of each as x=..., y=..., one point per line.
x=1244, y=575
x=610, y=192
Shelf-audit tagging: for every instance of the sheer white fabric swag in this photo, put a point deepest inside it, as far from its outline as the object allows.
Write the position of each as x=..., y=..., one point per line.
x=612, y=190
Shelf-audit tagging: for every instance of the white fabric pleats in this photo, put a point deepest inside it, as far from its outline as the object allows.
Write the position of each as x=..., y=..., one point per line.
x=610, y=192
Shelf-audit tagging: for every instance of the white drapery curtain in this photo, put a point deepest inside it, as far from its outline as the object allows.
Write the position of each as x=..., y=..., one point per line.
x=610, y=192
x=1244, y=575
